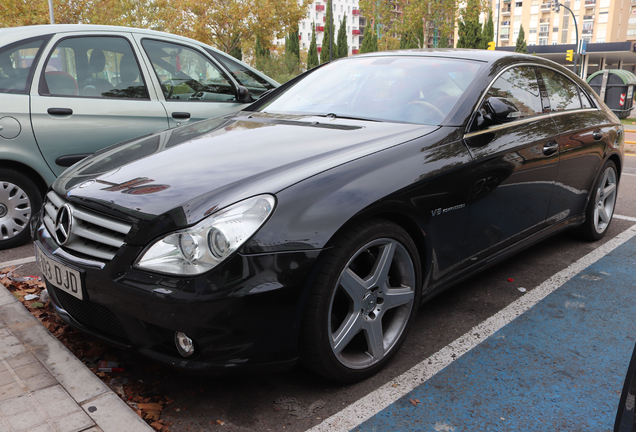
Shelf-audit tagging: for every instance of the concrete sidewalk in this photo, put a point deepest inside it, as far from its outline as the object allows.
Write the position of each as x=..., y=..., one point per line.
x=44, y=387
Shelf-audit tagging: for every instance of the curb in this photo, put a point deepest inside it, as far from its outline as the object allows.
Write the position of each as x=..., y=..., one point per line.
x=97, y=400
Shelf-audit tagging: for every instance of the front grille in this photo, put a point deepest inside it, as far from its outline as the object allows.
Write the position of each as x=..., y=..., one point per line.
x=90, y=314
x=93, y=234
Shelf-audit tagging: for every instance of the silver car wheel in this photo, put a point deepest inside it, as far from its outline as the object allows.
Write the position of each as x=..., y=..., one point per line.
x=605, y=199
x=372, y=303
x=15, y=210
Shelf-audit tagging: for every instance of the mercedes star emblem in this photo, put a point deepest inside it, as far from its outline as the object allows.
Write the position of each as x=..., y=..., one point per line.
x=63, y=224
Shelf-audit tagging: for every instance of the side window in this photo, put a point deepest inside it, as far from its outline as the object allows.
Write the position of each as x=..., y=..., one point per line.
x=563, y=93
x=15, y=65
x=102, y=67
x=520, y=87
x=254, y=83
x=187, y=75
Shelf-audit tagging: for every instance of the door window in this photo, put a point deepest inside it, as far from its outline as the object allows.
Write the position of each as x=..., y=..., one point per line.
x=186, y=75
x=102, y=67
x=16, y=63
x=520, y=87
x=254, y=83
x=563, y=93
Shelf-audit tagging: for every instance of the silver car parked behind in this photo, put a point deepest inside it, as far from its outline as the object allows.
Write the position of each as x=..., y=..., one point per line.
x=67, y=91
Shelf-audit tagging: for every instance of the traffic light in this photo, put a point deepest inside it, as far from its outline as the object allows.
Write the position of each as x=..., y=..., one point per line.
x=569, y=55
x=491, y=45
x=556, y=6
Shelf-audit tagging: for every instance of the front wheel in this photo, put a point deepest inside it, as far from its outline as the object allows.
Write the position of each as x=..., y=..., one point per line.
x=600, y=209
x=20, y=199
x=362, y=303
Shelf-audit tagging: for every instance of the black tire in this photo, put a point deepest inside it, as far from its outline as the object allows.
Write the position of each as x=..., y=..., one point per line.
x=356, y=299
x=600, y=208
x=20, y=200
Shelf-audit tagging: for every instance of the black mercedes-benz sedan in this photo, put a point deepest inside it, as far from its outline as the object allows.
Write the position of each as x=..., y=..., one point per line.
x=311, y=225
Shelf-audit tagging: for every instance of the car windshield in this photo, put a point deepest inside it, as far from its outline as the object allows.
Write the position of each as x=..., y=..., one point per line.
x=419, y=90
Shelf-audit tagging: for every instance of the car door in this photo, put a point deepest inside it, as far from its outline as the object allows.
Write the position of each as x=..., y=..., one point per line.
x=90, y=92
x=584, y=133
x=515, y=165
x=194, y=86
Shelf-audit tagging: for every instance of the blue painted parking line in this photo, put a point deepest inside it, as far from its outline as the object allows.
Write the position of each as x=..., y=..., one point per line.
x=560, y=366
x=554, y=359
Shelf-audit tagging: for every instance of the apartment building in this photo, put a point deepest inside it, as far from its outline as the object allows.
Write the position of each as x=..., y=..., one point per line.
x=317, y=15
x=598, y=21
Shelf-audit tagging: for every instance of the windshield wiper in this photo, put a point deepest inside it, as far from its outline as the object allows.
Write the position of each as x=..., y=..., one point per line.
x=347, y=117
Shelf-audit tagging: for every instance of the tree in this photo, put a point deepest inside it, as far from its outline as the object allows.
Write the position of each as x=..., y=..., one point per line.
x=521, y=42
x=343, y=46
x=369, y=41
x=292, y=44
x=438, y=15
x=237, y=52
x=443, y=41
x=326, y=39
x=469, y=28
x=380, y=17
x=312, y=55
x=217, y=22
x=260, y=49
x=488, y=32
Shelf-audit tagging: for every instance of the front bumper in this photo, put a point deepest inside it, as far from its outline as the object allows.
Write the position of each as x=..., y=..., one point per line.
x=246, y=313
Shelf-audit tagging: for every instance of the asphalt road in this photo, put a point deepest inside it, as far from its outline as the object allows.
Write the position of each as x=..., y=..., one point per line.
x=298, y=400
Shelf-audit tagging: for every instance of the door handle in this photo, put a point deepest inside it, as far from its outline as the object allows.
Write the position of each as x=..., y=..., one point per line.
x=180, y=115
x=597, y=134
x=60, y=111
x=550, y=148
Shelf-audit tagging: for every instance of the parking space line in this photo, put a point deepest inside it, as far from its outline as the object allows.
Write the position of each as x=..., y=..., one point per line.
x=363, y=409
x=627, y=218
x=17, y=262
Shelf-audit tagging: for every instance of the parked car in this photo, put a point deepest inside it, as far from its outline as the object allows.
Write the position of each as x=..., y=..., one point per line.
x=312, y=224
x=69, y=90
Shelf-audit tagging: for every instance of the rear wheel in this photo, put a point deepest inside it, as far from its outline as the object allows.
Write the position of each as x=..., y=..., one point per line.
x=362, y=302
x=20, y=199
x=600, y=209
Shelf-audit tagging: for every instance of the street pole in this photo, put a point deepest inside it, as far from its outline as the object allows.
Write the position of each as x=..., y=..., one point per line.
x=498, y=15
x=576, y=28
x=51, y=16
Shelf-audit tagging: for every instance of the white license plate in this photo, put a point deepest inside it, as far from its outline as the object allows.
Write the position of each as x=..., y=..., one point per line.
x=59, y=275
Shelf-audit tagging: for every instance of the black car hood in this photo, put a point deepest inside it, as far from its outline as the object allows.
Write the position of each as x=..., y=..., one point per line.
x=210, y=164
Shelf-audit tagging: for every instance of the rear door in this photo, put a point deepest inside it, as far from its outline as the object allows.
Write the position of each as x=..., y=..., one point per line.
x=584, y=133
x=90, y=92
x=515, y=167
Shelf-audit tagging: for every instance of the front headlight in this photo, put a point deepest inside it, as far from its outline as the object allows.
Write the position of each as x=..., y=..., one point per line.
x=200, y=248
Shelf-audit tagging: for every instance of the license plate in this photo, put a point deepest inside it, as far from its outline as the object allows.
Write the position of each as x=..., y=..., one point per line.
x=59, y=275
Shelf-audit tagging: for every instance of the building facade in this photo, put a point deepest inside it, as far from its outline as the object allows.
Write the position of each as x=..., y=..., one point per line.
x=598, y=21
x=317, y=15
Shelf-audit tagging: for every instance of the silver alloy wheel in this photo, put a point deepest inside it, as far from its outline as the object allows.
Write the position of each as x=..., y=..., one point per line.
x=372, y=303
x=605, y=199
x=16, y=210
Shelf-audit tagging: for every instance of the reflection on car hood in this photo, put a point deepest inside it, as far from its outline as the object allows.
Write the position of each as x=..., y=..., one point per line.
x=210, y=164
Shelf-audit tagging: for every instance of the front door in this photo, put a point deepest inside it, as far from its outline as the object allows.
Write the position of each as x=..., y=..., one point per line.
x=514, y=169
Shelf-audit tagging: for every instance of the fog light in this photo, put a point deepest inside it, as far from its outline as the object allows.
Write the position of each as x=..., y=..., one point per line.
x=184, y=344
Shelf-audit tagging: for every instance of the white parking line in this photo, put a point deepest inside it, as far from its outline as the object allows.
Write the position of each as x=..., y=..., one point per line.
x=629, y=174
x=363, y=409
x=17, y=262
x=627, y=218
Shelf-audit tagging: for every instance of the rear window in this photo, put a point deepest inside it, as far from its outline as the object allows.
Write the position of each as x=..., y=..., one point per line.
x=16, y=65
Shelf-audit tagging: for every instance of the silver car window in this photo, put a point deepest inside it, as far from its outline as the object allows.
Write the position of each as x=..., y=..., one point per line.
x=103, y=67
x=15, y=65
x=519, y=86
x=186, y=75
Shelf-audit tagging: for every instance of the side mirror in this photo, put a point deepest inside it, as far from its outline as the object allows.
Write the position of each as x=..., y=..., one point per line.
x=243, y=95
x=497, y=110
